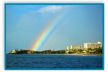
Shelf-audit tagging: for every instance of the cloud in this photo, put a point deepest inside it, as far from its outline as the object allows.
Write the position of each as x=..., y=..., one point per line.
x=51, y=9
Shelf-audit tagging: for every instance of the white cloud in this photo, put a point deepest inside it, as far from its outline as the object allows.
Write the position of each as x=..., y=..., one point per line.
x=51, y=9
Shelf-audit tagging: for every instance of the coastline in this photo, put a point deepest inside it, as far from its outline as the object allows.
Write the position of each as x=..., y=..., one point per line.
x=67, y=54
x=74, y=54
x=83, y=54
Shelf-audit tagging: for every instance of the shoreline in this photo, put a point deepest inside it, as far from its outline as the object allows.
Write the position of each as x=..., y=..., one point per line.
x=74, y=54
x=83, y=54
x=66, y=54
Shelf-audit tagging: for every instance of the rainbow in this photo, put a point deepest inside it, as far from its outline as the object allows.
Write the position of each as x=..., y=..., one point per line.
x=44, y=35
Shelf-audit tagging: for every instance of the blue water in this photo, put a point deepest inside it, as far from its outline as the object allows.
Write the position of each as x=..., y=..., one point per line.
x=25, y=61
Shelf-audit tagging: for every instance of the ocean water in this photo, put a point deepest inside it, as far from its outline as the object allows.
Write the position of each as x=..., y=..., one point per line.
x=30, y=61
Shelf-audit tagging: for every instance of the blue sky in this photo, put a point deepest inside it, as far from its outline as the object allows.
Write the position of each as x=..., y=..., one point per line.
x=82, y=23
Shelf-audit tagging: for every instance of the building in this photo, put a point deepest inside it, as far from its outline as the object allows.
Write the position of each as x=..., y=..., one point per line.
x=76, y=47
x=73, y=47
x=68, y=47
x=83, y=47
x=92, y=45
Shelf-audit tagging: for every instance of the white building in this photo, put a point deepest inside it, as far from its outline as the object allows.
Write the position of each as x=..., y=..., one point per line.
x=86, y=46
x=92, y=45
x=76, y=47
x=68, y=47
x=72, y=47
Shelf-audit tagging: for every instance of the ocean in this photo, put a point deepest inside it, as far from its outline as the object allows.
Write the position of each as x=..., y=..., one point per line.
x=45, y=61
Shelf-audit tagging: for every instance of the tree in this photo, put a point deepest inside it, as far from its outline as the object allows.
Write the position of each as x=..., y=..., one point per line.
x=62, y=51
x=16, y=50
x=69, y=52
x=80, y=50
x=74, y=50
x=98, y=50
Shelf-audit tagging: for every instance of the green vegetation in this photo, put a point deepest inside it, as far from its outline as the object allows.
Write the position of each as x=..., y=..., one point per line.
x=80, y=50
x=89, y=51
x=72, y=51
x=37, y=52
x=62, y=51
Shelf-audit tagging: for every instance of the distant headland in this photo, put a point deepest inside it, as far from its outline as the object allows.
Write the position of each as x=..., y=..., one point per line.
x=86, y=49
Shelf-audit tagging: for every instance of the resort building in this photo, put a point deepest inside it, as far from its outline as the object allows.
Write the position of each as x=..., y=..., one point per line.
x=84, y=47
x=68, y=47
x=92, y=45
x=75, y=47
